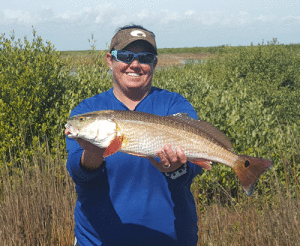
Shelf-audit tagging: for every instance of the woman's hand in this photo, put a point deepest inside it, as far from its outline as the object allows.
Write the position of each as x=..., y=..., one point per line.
x=170, y=160
x=92, y=156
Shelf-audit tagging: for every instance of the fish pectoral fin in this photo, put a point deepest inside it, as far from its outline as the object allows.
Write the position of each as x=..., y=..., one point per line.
x=114, y=146
x=203, y=163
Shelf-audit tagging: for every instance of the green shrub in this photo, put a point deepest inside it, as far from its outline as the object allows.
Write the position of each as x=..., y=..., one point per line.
x=249, y=93
x=30, y=88
x=252, y=95
x=38, y=92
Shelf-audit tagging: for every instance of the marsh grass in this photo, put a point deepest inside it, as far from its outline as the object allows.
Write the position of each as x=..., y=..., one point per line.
x=98, y=58
x=37, y=199
x=88, y=59
x=37, y=195
x=268, y=218
x=257, y=220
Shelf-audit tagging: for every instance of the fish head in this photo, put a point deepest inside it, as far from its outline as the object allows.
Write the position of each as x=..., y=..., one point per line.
x=98, y=131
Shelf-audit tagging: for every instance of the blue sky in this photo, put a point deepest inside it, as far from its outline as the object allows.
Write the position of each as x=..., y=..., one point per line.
x=68, y=24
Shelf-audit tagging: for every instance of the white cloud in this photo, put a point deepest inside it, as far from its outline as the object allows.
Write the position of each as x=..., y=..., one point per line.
x=189, y=12
x=71, y=29
x=67, y=15
x=19, y=16
x=100, y=15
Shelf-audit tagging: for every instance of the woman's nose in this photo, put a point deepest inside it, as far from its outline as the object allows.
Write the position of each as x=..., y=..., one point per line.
x=135, y=63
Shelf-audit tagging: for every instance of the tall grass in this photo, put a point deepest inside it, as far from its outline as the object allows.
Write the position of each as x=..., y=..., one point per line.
x=256, y=220
x=38, y=198
x=37, y=195
x=74, y=59
x=269, y=218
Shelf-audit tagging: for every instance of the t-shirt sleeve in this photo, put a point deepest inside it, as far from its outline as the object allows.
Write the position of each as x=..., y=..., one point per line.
x=79, y=174
x=181, y=105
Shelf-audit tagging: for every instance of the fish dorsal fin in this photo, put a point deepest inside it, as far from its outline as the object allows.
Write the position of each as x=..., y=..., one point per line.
x=205, y=127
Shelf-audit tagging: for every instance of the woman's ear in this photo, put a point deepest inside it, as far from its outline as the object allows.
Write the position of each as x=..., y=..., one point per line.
x=109, y=59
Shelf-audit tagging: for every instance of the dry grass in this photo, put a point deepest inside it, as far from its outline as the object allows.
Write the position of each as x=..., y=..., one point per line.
x=164, y=60
x=170, y=60
x=38, y=199
x=252, y=221
x=37, y=196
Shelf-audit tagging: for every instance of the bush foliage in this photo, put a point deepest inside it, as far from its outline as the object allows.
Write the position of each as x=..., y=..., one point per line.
x=250, y=93
x=38, y=91
x=31, y=87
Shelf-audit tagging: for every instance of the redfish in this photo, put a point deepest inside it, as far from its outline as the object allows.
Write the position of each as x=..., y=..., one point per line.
x=142, y=134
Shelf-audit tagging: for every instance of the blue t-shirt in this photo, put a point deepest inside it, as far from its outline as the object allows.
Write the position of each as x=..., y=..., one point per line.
x=128, y=201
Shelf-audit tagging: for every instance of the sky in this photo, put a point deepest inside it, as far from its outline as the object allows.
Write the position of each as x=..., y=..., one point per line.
x=68, y=24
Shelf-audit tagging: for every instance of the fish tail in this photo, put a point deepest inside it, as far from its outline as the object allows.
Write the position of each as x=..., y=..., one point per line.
x=249, y=169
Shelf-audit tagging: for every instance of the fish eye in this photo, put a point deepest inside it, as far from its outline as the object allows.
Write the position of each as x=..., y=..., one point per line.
x=81, y=118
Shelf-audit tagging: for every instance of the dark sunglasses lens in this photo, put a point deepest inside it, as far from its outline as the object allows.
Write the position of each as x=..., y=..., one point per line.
x=146, y=58
x=125, y=56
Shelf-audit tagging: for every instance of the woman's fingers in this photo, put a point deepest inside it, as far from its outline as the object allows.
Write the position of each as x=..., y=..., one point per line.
x=181, y=155
x=170, y=154
x=170, y=160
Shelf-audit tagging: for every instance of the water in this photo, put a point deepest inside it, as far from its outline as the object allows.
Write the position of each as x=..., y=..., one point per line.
x=193, y=61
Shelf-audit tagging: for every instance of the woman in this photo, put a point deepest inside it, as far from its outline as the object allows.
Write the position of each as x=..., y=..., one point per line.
x=123, y=199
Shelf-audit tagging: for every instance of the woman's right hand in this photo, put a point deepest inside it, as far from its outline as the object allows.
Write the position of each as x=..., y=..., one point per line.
x=92, y=156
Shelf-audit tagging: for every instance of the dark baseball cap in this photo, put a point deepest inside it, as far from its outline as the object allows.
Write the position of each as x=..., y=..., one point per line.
x=126, y=36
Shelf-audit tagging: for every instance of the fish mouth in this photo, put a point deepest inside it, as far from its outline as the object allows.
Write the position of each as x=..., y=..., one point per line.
x=73, y=131
x=68, y=125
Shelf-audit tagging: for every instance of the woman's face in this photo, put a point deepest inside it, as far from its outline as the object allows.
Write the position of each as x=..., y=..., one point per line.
x=134, y=77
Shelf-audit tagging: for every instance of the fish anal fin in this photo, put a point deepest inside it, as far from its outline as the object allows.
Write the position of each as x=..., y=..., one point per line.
x=203, y=163
x=114, y=146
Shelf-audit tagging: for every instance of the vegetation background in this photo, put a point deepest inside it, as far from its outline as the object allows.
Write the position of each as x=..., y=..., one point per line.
x=251, y=93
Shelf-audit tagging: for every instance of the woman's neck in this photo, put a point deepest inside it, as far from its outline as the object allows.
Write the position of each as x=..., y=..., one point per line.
x=130, y=99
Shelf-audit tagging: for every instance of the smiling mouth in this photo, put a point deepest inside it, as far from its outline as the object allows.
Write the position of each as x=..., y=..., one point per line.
x=133, y=74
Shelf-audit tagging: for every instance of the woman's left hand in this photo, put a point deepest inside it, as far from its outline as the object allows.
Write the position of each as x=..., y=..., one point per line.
x=170, y=160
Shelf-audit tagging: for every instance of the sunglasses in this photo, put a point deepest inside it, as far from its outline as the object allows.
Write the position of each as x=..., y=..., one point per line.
x=128, y=56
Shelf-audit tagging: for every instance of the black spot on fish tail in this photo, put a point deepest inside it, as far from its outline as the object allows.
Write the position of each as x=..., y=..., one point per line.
x=247, y=163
